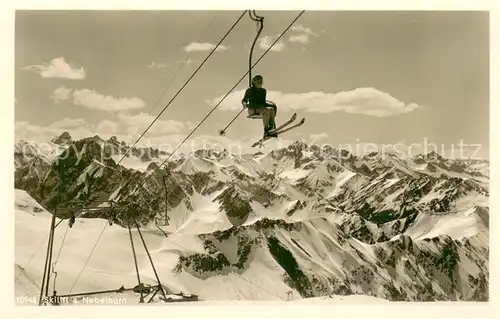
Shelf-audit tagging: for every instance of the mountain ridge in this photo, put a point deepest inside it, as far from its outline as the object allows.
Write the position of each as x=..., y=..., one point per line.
x=328, y=220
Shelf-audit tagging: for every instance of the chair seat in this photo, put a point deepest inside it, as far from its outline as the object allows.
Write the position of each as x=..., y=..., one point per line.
x=255, y=113
x=254, y=116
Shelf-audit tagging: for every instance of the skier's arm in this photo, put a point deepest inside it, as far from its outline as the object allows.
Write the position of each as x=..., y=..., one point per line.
x=244, y=101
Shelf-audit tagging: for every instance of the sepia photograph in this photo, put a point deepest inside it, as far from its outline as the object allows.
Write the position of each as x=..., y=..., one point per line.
x=303, y=157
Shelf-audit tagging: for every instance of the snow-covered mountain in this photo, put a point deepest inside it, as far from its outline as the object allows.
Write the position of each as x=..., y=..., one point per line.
x=297, y=222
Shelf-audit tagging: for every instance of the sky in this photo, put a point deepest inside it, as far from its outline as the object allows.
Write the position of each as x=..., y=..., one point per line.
x=358, y=77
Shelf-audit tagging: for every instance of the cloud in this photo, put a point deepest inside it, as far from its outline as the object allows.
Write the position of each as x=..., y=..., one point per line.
x=57, y=68
x=165, y=135
x=196, y=46
x=367, y=101
x=301, y=29
x=108, y=127
x=162, y=65
x=188, y=61
x=93, y=100
x=301, y=34
x=68, y=123
x=61, y=94
x=97, y=101
x=266, y=42
x=154, y=65
x=192, y=124
x=128, y=129
x=78, y=129
x=136, y=124
x=314, y=138
x=302, y=38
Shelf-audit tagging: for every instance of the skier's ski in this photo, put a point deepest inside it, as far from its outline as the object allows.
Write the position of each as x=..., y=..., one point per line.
x=292, y=127
x=280, y=130
x=294, y=116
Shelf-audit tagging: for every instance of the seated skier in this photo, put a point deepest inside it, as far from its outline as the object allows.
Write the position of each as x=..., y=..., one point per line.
x=255, y=98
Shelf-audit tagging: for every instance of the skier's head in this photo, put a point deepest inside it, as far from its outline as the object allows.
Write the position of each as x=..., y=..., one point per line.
x=257, y=81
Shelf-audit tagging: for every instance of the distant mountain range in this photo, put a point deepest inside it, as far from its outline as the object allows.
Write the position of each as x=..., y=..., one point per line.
x=327, y=221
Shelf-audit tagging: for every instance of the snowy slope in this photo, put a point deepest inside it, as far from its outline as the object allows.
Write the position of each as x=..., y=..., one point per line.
x=111, y=266
x=320, y=248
